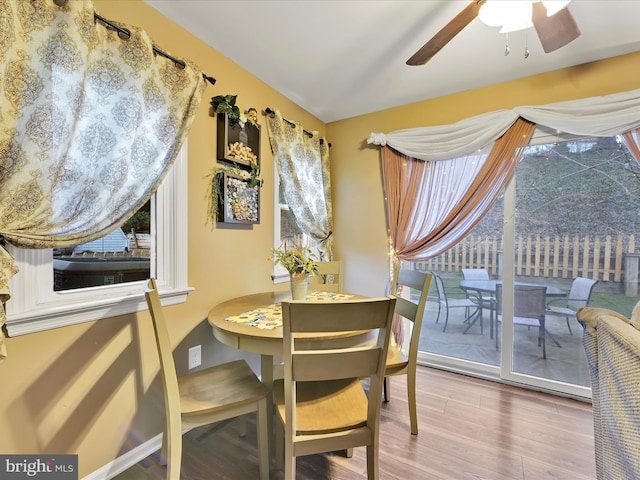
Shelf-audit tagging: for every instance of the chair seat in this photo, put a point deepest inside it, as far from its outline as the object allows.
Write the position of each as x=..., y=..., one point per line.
x=551, y=310
x=396, y=359
x=461, y=302
x=526, y=321
x=342, y=405
x=219, y=388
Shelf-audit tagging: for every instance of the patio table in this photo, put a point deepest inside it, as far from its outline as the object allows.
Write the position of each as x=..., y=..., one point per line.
x=481, y=287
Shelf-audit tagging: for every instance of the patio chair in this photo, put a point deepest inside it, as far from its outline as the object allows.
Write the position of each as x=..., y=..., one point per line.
x=529, y=309
x=579, y=297
x=450, y=298
x=399, y=362
x=475, y=274
x=489, y=302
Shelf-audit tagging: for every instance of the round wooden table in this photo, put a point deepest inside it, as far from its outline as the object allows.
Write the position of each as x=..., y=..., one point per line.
x=268, y=343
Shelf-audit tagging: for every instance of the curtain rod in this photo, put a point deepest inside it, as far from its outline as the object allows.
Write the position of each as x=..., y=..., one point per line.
x=125, y=34
x=270, y=112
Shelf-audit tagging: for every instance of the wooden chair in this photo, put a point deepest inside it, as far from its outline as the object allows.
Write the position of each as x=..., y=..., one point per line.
x=330, y=278
x=204, y=396
x=321, y=402
x=399, y=362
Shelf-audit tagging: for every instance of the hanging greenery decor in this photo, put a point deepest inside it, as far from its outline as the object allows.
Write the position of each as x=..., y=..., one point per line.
x=233, y=189
x=226, y=104
x=215, y=188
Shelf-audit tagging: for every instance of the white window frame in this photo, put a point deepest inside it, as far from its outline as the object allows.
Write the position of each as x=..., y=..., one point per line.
x=35, y=306
x=279, y=273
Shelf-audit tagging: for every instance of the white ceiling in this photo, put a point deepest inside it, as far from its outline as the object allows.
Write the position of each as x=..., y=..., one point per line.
x=342, y=58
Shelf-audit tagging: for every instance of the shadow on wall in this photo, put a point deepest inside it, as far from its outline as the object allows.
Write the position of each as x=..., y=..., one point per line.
x=101, y=369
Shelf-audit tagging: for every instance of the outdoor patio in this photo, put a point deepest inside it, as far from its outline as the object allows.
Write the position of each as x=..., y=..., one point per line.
x=566, y=363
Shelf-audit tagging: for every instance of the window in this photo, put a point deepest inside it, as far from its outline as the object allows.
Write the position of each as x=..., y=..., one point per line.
x=117, y=257
x=285, y=229
x=36, y=306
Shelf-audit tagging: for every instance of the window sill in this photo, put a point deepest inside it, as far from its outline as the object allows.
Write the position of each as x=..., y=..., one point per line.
x=91, y=309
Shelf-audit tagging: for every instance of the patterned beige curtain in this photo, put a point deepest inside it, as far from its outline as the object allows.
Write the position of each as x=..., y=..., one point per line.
x=90, y=122
x=303, y=166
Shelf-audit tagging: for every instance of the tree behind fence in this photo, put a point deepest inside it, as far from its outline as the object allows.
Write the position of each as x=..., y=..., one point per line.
x=536, y=256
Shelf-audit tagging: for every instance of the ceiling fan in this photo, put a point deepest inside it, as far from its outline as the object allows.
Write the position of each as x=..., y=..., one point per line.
x=554, y=31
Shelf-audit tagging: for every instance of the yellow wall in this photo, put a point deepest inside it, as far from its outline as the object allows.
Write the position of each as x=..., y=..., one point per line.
x=360, y=224
x=91, y=389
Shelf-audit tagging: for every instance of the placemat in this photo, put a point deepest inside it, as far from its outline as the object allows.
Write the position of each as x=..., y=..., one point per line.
x=270, y=316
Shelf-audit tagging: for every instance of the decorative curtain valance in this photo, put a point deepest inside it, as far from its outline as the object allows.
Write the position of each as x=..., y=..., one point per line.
x=595, y=116
x=91, y=124
x=303, y=167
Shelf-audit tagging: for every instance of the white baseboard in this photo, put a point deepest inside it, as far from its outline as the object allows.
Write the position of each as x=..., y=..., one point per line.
x=127, y=460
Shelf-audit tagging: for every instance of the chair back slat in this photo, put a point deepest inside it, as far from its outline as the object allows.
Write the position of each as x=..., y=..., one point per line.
x=360, y=314
x=330, y=278
x=331, y=365
x=406, y=308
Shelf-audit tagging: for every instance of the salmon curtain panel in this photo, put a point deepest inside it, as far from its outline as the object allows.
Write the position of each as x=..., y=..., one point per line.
x=302, y=161
x=631, y=140
x=90, y=122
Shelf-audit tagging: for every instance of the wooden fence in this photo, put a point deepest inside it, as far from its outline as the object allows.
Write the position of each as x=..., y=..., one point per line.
x=560, y=257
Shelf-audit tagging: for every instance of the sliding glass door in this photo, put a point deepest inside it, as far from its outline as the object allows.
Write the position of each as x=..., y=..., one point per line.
x=570, y=212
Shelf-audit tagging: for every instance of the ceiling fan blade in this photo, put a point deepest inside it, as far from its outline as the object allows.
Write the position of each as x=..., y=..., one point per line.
x=447, y=33
x=555, y=31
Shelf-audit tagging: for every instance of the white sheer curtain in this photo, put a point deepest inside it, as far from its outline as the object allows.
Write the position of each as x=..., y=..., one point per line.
x=425, y=211
x=91, y=125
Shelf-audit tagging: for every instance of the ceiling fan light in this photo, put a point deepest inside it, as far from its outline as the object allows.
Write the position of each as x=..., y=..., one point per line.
x=491, y=13
x=510, y=15
x=554, y=6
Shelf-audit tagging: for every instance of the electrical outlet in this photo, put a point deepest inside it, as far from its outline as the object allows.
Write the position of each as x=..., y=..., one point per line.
x=195, y=356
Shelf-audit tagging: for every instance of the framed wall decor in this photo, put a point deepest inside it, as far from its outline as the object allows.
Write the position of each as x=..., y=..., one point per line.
x=238, y=145
x=239, y=201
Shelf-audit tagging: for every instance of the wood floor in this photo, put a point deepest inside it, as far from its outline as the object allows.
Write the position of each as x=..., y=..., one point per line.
x=469, y=429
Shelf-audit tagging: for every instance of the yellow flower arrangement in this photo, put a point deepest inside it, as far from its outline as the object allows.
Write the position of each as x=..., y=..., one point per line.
x=297, y=260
